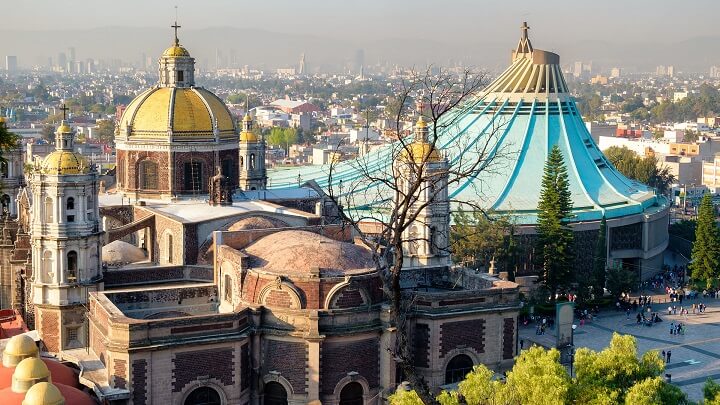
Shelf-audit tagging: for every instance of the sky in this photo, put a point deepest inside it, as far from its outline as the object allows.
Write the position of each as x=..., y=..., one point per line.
x=559, y=25
x=633, y=20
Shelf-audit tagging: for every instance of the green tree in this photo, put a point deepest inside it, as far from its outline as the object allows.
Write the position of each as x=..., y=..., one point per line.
x=620, y=280
x=555, y=239
x=647, y=170
x=711, y=392
x=537, y=378
x=600, y=261
x=283, y=137
x=48, y=133
x=706, y=249
x=606, y=376
x=105, y=131
x=8, y=141
x=477, y=237
x=655, y=391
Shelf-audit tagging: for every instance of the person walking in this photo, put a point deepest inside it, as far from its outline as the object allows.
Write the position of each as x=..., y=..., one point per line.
x=668, y=357
x=672, y=328
x=664, y=355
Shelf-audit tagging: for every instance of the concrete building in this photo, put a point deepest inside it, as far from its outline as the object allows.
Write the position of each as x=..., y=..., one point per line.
x=11, y=64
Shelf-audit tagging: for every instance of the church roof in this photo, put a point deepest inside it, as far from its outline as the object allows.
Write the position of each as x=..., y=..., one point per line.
x=512, y=125
x=183, y=113
x=63, y=162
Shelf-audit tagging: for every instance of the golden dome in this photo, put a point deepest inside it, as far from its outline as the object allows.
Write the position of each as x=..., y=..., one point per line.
x=420, y=123
x=3, y=119
x=176, y=50
x=62, y=162
x=248, y=136
x=18, y=348
x=43, y=393
x=63, y=128
x=28, y=373
x=421, y=151
x=187, y=113
x=247, y=118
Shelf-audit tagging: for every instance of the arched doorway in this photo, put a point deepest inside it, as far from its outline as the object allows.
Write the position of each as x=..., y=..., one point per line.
x=458, y=368
x=203, y=396
x=352, y=394
x=275, y=394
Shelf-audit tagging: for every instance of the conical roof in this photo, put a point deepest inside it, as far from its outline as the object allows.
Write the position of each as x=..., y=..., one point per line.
x=516, y=120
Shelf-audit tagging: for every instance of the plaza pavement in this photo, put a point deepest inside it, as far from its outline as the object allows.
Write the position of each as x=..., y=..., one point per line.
x=695, y=355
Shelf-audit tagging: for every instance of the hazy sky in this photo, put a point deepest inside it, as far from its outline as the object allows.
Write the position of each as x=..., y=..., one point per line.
x=553, y=21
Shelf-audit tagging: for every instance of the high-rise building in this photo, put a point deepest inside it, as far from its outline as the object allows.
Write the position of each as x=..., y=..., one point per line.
x=578, y=69
x=615, y=72
x=715, y=71
x=11, y=63
x=62, y=60
x=71, y=53
x=671, y=70
x=359, y=60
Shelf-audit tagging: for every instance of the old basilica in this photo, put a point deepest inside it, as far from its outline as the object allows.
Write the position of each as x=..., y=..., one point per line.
x=191, y=283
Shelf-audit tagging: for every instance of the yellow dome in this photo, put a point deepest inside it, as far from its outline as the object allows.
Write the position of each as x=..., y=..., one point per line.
x=64, y=162
x=421, y=123
x=21, y=345
x=43, y=393
x=3, y=119
x=64, y=128
x=189, y=113
x=421, y=151
x=248, y=136
x=247, y=118
x=176, y=50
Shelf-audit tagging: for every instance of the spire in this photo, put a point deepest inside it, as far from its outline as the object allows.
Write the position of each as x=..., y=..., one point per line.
x=421, y=130
x=524, y=45
x=176, y=26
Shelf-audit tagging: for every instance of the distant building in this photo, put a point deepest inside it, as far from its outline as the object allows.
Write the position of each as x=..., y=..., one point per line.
x=711, y=174
x=599, y=79
x=295, y=106
x=11, y=63
x=615, y=72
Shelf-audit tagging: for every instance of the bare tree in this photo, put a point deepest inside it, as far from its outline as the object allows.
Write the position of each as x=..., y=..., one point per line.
x=384, y=191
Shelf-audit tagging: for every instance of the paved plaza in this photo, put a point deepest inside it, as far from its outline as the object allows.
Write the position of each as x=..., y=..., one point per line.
x=695, y=355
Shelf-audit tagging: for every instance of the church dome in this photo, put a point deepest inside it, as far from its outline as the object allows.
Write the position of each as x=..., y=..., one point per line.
x=18, y=348
x=62, y=162
x=43, y=393
x=182, y=113
x=300, y=252
x=176, y=50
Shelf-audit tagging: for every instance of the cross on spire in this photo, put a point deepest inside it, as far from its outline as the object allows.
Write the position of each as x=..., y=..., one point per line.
x=525, y=27
x=64, y=109
x=176, y=26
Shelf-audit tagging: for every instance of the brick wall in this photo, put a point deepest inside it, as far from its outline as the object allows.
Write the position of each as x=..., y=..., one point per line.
x=212, y=363
x=289, y=359
x=508, y=343
x=421, y=345
x=139, y=382
x=120, y=373
x=278, y=298
x=348, y=297
x=120, y=277
x=470, y=333
x=339, y=358
x=130, y=163
x=50, y=329
x=207, y=162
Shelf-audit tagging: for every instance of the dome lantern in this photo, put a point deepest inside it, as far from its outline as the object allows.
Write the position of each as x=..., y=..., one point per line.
x=176, y=66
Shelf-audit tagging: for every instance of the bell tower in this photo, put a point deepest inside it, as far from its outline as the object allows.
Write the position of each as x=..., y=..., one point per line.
x=252, y=174
x=66, y=238
x=426, y=240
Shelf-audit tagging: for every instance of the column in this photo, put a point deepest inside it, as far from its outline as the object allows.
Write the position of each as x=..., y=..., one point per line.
x=313, y=368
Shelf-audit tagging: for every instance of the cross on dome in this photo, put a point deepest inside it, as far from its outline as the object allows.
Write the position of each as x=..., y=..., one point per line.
x=524, y=46
x=64, y=109
x=176, y=26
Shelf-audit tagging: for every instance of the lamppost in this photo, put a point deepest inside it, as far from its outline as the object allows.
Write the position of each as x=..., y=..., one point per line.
x=572, y=348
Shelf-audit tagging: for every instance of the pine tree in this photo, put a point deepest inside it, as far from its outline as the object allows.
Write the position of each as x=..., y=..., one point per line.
x=555, y=239
x=600, y=262
x=706, y=249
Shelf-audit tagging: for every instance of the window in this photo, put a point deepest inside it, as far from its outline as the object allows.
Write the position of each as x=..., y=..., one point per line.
x=73, y=335
x=228, y=288
x=48, y=209
x=47, y=266
x=71, y=218
x=242, y=162
x=352, y=394
x=4, y=169
x=169, y=248
x=275, y=394
x=458, y=368
x=227, y=168
x=5, y=203
x=180, y=75
x=72, y=266
x=148, y=175
x=252, y=161
x=203, y=396
x=192, y=180
x=70, y=204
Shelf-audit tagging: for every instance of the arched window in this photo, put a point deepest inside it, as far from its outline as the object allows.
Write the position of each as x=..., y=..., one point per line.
x=252, y=161
x=193, y=176
x=169, y=248
x=352, y=394
x=72, y=266
x=4, y=170
x=228, y=288
x=148, y=175
x=70, y=204
x=48, y=210
x=458, y=368
x=275, y=394
x=242, y=162
x=227, y=168
x=203, y=396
